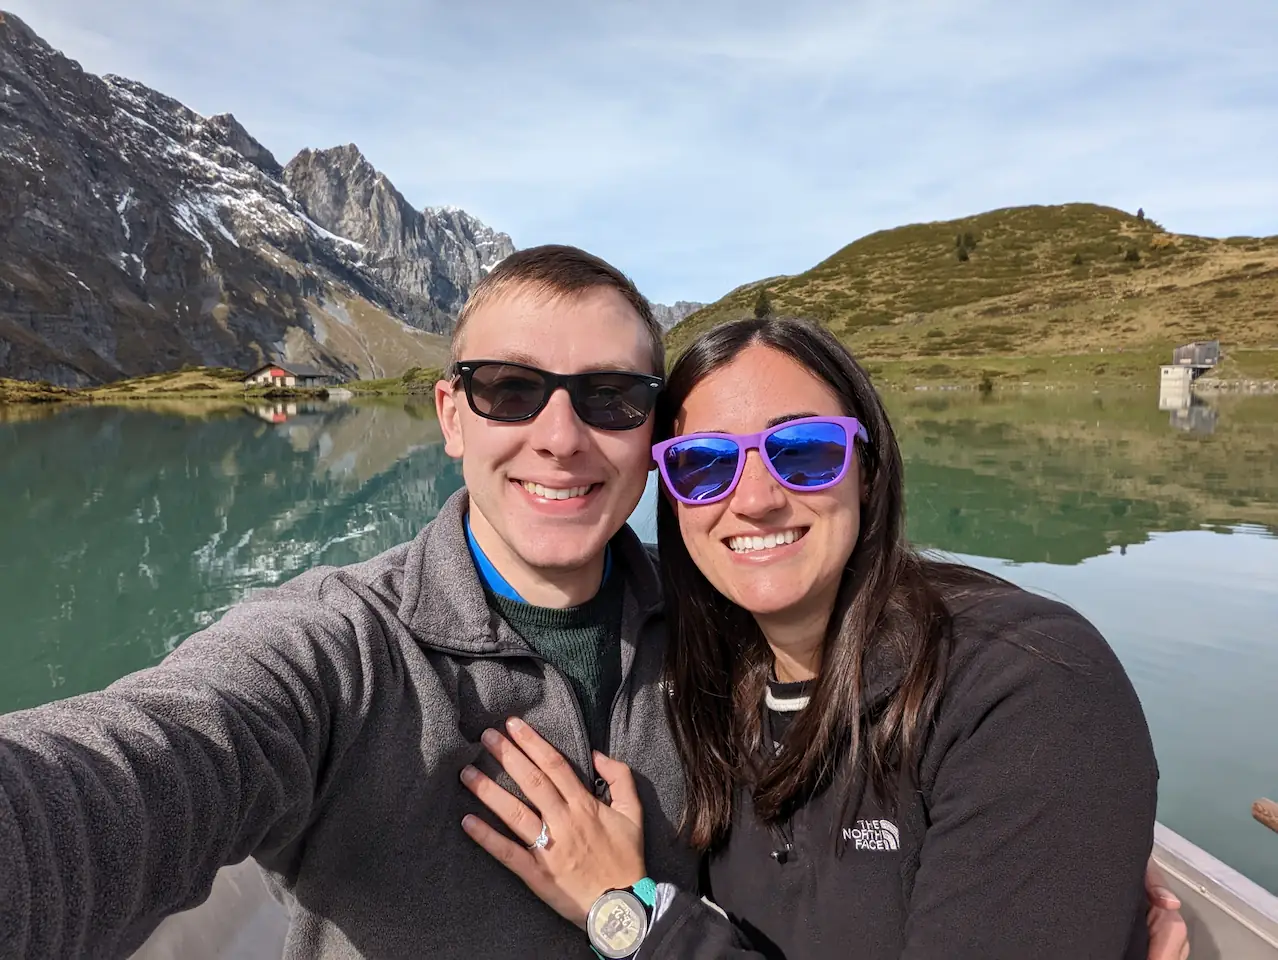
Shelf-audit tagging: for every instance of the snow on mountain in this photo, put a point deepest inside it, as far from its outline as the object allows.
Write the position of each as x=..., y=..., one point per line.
x=430, y=259
x=141, y=236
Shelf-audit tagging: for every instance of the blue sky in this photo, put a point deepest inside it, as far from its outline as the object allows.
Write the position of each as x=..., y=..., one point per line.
x=700, y=144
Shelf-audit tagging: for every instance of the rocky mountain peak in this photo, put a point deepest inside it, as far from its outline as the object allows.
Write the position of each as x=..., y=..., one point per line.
x=669, y=316
x=141, y=236
x=223, y=128
x=433, y=257
x=32, y=70
x=347, y=161
x=342, y=192
x=15, y=33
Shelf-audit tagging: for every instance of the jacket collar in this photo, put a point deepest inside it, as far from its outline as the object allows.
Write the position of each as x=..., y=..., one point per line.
x=443, y=601
x=884, y=673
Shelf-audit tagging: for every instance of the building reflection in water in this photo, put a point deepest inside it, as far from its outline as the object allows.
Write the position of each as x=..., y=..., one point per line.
x=285, y=410
x=1186, y=410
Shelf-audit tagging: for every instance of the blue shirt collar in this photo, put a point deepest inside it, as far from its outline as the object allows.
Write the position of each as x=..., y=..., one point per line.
x=498, y=584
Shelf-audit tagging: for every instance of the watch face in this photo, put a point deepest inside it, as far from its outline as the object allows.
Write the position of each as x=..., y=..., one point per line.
x=617, y=924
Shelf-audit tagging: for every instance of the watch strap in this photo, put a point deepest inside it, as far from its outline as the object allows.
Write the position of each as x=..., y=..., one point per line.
x=646, y=890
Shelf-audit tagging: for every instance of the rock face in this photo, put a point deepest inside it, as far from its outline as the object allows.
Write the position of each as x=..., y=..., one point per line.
x=428, y=260
x=669, y=316
x=138, y=236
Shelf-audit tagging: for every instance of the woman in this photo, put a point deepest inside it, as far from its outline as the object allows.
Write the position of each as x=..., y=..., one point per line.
x=886, y=756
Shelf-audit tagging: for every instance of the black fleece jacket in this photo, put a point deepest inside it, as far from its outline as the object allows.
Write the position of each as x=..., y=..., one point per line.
x=1027, y=837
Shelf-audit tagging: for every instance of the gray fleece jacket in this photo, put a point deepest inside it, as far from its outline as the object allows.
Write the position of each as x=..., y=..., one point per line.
x=320, y=727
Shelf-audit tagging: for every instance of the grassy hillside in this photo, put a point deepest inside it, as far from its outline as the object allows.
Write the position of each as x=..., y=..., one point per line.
x=417, y=380
x=203, y=383
x=1026, y=285
x=27, y=391
x=189, y=381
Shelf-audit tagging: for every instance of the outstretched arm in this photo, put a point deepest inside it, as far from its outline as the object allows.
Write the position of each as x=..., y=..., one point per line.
x=117, y=808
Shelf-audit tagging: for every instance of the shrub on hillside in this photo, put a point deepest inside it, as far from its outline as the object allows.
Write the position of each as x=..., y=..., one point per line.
x=762, y=305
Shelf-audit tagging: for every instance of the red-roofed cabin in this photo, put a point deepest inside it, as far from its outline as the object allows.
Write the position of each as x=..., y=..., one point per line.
x=289, y=375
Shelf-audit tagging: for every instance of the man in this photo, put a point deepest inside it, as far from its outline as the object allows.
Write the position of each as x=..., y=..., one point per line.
x=321, y=726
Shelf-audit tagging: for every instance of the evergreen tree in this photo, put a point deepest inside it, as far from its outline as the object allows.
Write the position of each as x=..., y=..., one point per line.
x=762, y=305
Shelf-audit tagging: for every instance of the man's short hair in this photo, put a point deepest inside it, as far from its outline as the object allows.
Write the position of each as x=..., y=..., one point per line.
x=557, y=270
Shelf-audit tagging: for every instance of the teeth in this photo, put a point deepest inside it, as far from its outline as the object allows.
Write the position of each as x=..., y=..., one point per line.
x=748, y=544
x=550, y=493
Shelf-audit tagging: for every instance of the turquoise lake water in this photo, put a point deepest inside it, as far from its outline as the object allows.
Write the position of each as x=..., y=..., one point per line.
x=125, y=530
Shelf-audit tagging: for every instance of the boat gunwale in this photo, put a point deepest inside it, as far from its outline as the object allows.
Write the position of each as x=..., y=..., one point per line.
x=1219, y=884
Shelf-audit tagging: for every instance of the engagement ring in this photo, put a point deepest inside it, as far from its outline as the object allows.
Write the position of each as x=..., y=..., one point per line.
x=543, y=838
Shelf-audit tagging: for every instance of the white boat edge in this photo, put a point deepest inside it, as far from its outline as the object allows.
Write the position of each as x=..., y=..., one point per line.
x=1229, y=916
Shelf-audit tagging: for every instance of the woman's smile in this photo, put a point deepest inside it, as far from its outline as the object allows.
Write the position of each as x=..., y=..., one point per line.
x=764, y=541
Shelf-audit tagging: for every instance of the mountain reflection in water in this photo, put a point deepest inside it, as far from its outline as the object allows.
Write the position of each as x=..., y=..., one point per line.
x=127, y=529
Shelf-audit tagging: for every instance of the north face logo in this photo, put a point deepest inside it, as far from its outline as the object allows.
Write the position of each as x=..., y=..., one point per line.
x=873, y=835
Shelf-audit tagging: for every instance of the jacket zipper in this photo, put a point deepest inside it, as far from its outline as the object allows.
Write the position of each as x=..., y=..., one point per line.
x=583, y=738
x=786, y=850
x=583, y=735
x=599, y=784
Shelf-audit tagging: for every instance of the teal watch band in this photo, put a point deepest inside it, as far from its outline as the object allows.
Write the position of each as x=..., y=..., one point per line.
x=646, y=890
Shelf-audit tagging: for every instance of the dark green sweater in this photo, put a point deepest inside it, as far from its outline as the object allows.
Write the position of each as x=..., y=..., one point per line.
x=582, y=642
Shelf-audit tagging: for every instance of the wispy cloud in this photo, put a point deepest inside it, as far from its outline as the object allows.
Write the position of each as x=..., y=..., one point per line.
x=703, y=144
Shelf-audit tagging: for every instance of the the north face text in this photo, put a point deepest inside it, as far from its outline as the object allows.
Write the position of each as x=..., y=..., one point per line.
x=873, y=835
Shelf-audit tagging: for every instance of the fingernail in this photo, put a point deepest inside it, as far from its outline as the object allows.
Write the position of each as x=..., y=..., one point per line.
x=469, y=774
x=515, y=725
x=1171, y=898
x=491, y=738
x=468, y=822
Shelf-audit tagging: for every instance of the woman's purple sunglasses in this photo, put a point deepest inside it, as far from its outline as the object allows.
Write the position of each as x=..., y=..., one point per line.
x=805, y=455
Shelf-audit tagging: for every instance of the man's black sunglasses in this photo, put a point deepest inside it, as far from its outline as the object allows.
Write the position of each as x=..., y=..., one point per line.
x=510, y=392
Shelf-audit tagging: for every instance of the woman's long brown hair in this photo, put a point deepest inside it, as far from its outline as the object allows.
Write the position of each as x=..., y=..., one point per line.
x=889, y=610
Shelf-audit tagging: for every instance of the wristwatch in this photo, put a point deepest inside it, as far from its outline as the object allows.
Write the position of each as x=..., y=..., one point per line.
x=620, y=918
